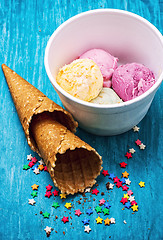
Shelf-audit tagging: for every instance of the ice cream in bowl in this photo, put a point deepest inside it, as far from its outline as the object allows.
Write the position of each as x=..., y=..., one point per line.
x=106, y=66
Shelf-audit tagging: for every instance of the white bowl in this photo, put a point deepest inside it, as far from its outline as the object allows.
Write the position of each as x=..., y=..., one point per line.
x=125, y=35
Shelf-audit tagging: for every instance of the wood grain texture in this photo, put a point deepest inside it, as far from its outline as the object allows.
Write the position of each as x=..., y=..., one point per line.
x=25, y=27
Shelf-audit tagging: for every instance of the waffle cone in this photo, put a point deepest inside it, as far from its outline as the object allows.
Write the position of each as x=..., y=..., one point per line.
x=29, y=101
x=73, y=164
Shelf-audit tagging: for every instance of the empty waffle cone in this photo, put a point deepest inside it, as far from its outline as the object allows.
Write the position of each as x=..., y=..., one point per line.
x=73, y=164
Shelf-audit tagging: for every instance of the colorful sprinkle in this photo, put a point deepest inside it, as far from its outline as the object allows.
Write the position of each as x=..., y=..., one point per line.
x=138, y=142
x=68, y=205
x=107, y=221
x=78, y=212
x=34, y=187
x=89, y=211
x=55, y=205
x=46, y=215
x=99, y=220
x=95, y=191
x=65, y=219
x=105, y=173
x=125, y=174
x=128, y=155
x=123, y=164
x=142, y=184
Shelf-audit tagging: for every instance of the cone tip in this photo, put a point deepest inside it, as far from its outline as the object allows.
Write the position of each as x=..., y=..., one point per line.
x=3, y=66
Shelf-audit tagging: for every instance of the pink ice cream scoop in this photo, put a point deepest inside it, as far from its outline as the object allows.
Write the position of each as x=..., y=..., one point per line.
x=106, y=62
x=132, y=80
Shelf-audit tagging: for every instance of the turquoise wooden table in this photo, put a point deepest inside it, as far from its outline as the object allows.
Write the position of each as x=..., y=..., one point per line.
x=25, y=28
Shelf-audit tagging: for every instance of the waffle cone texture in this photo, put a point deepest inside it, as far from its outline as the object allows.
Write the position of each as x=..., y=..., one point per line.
x=73, y=164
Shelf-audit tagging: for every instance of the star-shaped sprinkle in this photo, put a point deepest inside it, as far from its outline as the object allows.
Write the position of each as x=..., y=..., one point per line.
x=138, y=142
x=88, y=189
x=105, y=211
x=55, y=205
x=65, y=219
x=105, y=173
x=128, y=155
x=125, y=188
x=34, y=194
x=123, y=180
x=131, y=198
x=26, y=167
x=123, y=164
x=107, y=221
x=78, y=212
x=48, y=229
x=40, y=167
x=102, y=201
x=68, y=205
x=123, y=200
x=45, y=169
x=127, y=205
x=112, y=220
x=36, y=171
x=30, y=164
x=85, y=221
x=133, y=202
x=135, y=208
x=142, y=184
x=41, y=162
x=119, y=184
x=125, y=174
x=136, y=129
x=34, y=160
x=29, y=157
x=62, y=195
x=87, y=229
x=142, y=146
x=99, y=220
x=34, y=187
x=34, y=167
x=111, y=176
x=129, y=192
x=49, y=187
x=95, y=191
x=48, y=194
x=55, y=192
x=126, y=196
x=109, y=185
x=98, y=209
x=107, y=205
x=132, y=150
x=31, y=201
x=128, y=182
x=116, y=179
x=89, y=211
x=46, y=214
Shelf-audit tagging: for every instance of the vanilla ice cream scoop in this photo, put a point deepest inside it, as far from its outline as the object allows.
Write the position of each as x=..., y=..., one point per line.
x=82, y=79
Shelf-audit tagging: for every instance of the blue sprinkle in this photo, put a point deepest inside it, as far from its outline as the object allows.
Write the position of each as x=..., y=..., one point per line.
x=123, y=180
x=86, y=221
x=107, y=205
x=89, y=211
x=35, y=166
x=111, y=176
x=127, y=205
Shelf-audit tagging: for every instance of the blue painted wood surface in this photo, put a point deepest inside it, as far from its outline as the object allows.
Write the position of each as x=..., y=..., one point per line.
x=25, y=28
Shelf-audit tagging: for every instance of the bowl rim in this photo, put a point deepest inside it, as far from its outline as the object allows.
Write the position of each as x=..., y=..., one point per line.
x=96, y=105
